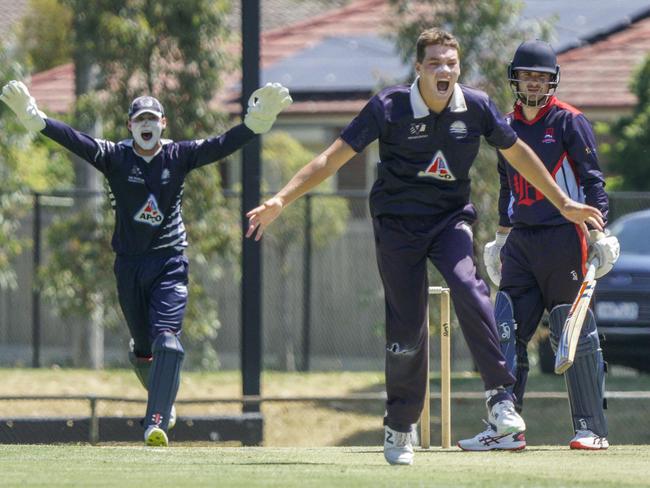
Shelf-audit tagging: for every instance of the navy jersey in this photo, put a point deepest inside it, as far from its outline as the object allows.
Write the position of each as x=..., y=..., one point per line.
x=563, y=139
x=147, y=196
x=425, y=157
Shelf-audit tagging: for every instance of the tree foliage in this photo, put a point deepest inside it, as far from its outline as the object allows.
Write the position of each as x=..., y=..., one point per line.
x=175, y=51
x=629, y=154
x=13, y=191
x=488, y=32
x=43, y=44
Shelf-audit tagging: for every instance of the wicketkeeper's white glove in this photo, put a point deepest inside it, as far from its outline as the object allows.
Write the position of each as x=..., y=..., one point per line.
x=492, y=258
x=17, y=97
x=604, y=247
x=264, y=105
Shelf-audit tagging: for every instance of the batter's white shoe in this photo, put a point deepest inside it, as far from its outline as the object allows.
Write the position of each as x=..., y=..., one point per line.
x=489, y=440
x=398, y=446
x=154, y=436
x=586, y=439
x=503, y=416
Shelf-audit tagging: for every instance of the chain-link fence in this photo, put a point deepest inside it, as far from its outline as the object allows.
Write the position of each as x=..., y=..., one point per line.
x=322, y=297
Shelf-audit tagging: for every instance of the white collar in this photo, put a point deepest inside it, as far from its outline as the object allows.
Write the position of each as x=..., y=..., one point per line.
x=420, y=109
x=129, y=143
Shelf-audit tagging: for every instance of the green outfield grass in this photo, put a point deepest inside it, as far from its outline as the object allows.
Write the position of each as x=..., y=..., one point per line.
x=321, y=424
x=85, y=466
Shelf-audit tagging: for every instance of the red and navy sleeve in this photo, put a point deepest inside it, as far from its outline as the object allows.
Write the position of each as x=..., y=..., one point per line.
x=366, y=126
x=581, y=146
x=95, y=151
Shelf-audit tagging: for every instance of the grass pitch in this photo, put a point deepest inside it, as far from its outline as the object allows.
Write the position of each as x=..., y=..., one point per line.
x=86, y=466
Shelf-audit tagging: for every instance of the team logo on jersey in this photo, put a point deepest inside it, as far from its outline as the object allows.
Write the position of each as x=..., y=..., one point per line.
x=136, y=175
x=165, y=176
x=549, y=138
x=438, y=169
x=458, y=130
x=417, y=130
x=149, y=213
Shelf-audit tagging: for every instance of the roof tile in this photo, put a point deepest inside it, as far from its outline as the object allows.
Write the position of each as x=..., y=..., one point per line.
x=598, y=75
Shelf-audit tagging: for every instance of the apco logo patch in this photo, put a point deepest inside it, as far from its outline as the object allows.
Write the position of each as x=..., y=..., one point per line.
x=417, y=130
x=149, y=213
x=458, y=130
x=438, y=169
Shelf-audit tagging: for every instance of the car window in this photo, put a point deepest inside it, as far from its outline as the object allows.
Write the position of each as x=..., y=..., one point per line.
x=633, y=235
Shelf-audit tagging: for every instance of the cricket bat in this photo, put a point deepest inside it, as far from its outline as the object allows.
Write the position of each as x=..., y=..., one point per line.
x=566, y=348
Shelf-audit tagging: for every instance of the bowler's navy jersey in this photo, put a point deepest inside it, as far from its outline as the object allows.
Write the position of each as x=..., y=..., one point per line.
x=563, y=139
x=425, y=157
x=147, y=196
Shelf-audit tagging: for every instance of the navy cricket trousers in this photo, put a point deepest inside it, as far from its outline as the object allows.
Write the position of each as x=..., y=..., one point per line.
x=403, y=246
x=152, y=292
x=541, y=267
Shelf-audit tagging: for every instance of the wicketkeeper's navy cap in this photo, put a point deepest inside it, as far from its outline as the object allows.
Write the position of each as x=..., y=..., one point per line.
x=146, y=104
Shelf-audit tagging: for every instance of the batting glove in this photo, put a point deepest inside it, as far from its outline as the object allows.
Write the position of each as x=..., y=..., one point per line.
x=264, y=105
x=492, y=257
x=17, y=97
x=605, y=248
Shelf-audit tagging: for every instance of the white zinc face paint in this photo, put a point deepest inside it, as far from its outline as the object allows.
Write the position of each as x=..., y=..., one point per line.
x=152, y=127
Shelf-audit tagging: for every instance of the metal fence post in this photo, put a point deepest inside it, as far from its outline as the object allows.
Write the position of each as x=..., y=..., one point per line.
x=306, y=294
x=36, y=292
x=93, y=433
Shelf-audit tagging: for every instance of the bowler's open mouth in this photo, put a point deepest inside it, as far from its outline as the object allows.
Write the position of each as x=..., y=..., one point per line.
x=147, y=135
x=442, y=86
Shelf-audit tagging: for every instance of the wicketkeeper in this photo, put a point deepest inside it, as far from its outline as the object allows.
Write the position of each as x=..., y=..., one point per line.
x=146, y=176
x=538, y=257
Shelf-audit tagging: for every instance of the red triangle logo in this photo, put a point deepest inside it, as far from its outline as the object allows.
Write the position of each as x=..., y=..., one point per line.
x=439, y=168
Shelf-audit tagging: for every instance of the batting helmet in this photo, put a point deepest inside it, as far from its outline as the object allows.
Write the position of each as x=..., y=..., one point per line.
x=536, y=56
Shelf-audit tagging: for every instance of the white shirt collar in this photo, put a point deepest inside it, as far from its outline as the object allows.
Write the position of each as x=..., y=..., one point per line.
x=420, y=109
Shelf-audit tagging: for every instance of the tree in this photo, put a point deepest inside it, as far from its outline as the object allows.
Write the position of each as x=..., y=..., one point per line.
x=283, y=156
x=43, y=44
x=174, y=50
x=628, y=153
x=27, y=163
x=489, y=32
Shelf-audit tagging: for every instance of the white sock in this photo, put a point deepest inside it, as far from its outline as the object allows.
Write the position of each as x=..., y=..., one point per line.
x=489, y=393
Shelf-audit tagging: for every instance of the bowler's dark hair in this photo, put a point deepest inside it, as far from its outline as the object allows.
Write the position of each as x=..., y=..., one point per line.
x=433, y=37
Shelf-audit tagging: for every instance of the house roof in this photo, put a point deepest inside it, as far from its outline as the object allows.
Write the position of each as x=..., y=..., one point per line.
x=360, y=18
x=579, y=19
x=54, y=89
x=597, y=75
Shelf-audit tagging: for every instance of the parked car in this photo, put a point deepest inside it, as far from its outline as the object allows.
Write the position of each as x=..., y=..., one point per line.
x=621, y=300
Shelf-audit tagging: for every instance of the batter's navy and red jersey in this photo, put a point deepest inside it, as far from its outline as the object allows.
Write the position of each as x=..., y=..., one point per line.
x=147, y=196
x=563, y=139
x=425, y=157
